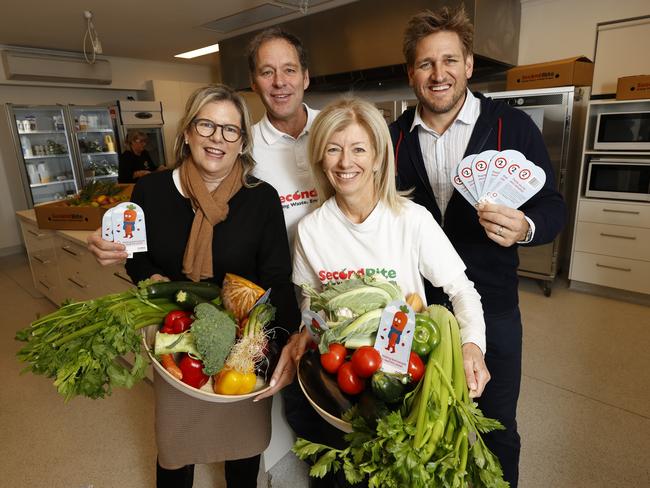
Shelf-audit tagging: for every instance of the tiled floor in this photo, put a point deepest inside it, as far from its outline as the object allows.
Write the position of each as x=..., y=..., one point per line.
x=584, y=412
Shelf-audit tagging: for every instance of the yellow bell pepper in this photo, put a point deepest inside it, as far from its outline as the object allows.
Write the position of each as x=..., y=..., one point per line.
x=232, y=382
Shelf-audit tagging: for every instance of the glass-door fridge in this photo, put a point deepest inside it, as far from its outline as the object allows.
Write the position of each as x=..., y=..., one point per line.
x=94, y=143
x=42, y=142
x=145, y=118
x=61, y=148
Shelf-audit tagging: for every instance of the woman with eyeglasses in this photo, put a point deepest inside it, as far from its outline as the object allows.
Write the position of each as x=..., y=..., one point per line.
x=135, y=161
x=207, y=217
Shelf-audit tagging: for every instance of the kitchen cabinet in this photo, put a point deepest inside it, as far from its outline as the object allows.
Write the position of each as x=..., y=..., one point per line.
x=611, y=242
x=62, y=268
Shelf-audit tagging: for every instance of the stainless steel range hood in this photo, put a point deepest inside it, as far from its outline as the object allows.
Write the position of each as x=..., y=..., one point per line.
x=360, y=43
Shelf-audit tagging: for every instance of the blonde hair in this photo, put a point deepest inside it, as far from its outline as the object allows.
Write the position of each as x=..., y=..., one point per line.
x=132, y=135
x=337, y=116
x=199, y=99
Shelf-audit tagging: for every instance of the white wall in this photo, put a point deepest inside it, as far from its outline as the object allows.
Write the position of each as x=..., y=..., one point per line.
x=557, y=29
x=131, y=77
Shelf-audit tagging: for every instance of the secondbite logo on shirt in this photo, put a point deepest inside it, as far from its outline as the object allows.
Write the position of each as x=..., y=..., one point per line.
x=299, y=197
x=325, y=276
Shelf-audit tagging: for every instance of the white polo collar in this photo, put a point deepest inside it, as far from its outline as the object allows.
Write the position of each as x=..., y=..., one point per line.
x=271, y=135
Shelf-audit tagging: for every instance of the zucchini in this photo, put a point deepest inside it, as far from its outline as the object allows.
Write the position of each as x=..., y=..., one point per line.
x=187, y=300
x=389, y=387
x=167, y=289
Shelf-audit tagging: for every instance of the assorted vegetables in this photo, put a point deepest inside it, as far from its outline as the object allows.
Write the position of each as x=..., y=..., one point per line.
x=80, y=344
x=409, y=432
x=209, y=342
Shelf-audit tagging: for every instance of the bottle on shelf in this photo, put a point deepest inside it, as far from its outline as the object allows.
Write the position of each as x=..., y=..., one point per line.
x=83, y=122
x=109, y=143
x=27, y=146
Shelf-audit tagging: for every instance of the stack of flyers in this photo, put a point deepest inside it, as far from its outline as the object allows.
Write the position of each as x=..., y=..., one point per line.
x=501, y=177
x=125, y=223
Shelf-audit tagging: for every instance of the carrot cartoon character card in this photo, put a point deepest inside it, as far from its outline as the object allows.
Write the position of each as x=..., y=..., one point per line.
x=128, y=227
x=395, y=336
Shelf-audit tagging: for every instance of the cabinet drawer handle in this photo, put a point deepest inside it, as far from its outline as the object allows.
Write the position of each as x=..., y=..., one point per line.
x=43, y=283
x=80, y=285
x=69, y=251
x=34, y=233
x=117, y=274
x=631, y=238
x=40, y=260
x=613, y=267
x=631, y=212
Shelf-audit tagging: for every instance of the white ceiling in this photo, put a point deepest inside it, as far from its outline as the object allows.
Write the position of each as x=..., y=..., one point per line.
x=145, y=29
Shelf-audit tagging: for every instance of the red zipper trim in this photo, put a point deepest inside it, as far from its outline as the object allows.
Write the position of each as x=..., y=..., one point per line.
x=499, y=135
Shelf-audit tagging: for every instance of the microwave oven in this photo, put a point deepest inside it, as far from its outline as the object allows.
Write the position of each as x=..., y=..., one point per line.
x=619, y=179
x=620, y=131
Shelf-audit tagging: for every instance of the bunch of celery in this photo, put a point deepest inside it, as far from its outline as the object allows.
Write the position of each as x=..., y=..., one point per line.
x=426, y=442
x=81, y=343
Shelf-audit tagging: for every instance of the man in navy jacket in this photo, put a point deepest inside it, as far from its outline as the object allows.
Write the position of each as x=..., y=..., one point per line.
x=448, y=124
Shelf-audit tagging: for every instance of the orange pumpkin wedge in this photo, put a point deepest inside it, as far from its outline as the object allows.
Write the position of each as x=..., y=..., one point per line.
x=239, y=295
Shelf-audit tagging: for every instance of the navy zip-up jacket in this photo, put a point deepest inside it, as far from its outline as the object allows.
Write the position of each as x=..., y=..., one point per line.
x=491, y=267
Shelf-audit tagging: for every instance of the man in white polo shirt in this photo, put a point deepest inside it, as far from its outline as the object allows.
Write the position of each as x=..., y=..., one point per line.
x=278, y=69
x=277, y=63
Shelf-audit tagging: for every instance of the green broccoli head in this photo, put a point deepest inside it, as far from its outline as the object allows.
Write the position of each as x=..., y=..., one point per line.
x=214, y=334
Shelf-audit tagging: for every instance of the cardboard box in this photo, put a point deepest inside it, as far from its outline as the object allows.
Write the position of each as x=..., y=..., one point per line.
x=60, y=216
x=577, y=71
x=633, y=87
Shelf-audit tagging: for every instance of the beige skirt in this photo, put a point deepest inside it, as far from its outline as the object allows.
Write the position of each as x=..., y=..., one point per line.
x=193, y=431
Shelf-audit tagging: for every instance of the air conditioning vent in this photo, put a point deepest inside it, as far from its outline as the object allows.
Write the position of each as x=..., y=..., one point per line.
x=257, y=15
x=55, y=68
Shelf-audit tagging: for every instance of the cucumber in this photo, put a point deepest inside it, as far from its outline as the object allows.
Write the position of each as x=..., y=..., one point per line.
x=167, y=289
x=187, y=300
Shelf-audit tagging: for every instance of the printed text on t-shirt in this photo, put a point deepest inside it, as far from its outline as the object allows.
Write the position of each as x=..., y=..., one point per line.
x=299, y=197
x=325, y=276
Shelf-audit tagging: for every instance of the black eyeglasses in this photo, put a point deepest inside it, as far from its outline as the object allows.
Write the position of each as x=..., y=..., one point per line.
x=205, y=128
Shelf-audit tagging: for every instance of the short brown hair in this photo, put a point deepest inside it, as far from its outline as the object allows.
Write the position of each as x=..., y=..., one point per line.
x=269, y=35
x=427, y=22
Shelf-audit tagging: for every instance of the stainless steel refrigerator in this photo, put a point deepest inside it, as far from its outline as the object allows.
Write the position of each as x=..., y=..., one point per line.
x=560, y=115
x=60, y=148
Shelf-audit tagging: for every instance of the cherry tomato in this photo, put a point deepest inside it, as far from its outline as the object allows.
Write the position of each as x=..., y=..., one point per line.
x=332, y=360
x=366, y=361
x=416, y=367
x=192, y=370
x=169, y=320
x=181, y=324
x=348, y=380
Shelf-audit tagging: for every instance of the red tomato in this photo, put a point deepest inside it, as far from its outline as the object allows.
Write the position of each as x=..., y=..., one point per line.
x=366, y=361
x=332, y=360
x=192, y=370
x=169, y=320
x=348, y=380
x=181, y=324
x=416, y=367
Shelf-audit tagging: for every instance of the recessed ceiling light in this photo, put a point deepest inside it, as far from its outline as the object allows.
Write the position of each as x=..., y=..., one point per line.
x=199, y=52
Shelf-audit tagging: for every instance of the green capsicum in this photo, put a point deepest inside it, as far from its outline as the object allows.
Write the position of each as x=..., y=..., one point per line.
x=426, y=335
